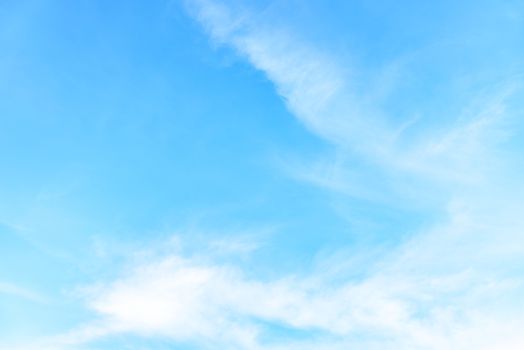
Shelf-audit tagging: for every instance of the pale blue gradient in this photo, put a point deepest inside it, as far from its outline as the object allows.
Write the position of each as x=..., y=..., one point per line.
x=289, y=174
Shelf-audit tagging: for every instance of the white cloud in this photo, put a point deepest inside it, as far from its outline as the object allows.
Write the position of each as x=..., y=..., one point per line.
x=415, y=298
x=322, y=93
x=447, y=288
x=312, y=84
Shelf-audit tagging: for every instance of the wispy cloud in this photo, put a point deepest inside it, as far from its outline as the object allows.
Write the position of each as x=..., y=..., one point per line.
x=412, y=298
x=312, y=84
x=322, y=92
x=20, y=292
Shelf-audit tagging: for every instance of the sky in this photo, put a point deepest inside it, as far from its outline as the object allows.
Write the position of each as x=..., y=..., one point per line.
x=267, y=174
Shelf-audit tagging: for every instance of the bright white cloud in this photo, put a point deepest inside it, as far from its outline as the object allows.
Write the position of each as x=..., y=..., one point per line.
x=431, y=294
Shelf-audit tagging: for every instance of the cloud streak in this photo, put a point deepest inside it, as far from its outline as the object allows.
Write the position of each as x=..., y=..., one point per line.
x=17, y=291
x=403, y=164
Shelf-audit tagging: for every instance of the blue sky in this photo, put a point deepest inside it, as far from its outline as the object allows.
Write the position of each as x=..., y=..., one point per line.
x=209, y=174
